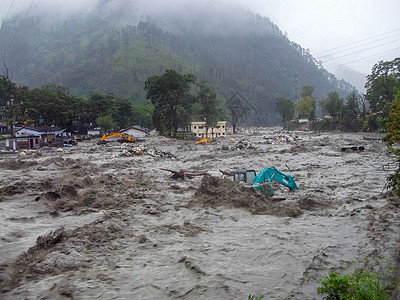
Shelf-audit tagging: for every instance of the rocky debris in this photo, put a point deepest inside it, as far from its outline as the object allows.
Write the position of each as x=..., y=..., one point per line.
x=30, y=152
x=282, y=139
x=241, y=145
x=182, y=174
x=244, y=145
x=222, y=192
x=142, y=150
x=352, y=148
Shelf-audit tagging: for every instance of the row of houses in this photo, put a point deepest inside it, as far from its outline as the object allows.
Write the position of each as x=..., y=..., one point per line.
x=36, y=137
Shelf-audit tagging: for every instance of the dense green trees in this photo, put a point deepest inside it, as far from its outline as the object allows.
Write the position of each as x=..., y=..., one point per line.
x=177, y=101
x=332, y=104
x=381, y=85
x=392, y=139
x=207, y=107
x=369, y=112
x=169, y=93
x=54, y=105
x=175, y=97
x=306, y=107
x=341, y=115
x=142, y=114
x=285, y=108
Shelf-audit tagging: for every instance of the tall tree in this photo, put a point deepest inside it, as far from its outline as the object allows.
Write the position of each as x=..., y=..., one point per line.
x=142, y=115
x=8, y=91
x=332, y=104
x=307, y=91
x=286, y=108
x=381, y=84
x=208, y=105
x=391, y=139
x=100, y=105
x=351, y=112
x=236, y=110
x=305, y=107
x=122, y=112
x=168, y=93
x=105, y=122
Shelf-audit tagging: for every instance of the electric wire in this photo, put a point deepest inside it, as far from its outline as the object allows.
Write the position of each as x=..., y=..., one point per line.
x=356, y=52
x=365, y=44
x=16, y=32
x=20, y=23
x=355, y=42
x=347, y=63
x=8, y=13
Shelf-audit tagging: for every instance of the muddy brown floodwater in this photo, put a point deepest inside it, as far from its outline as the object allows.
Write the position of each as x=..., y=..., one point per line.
x=103, y=222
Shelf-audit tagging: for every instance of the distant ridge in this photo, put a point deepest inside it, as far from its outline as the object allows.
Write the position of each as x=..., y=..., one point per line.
x=115, y=48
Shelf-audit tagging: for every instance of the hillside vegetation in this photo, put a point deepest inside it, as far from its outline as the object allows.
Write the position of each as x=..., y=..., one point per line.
x=115, y=50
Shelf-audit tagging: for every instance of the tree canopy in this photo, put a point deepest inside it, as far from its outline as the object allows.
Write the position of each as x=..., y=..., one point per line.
x=305, y=106
x=169, y=93
x=54, y=105
x=285, y=108
x=332, y=104
x=381, y=85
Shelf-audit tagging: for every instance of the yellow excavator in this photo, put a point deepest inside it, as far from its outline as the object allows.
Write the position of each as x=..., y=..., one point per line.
x=204, y=140
x=123, y=138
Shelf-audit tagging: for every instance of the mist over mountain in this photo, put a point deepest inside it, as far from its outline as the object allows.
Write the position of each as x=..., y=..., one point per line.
x=112, y=46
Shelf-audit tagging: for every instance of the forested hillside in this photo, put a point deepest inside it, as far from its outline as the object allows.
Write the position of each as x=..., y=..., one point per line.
x=114, y=50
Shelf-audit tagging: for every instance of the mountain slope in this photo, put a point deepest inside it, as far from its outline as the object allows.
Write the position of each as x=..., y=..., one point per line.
x=114, y=49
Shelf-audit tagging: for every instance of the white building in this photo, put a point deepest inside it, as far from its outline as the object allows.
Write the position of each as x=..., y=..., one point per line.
x=136, y=131
x=199, y=128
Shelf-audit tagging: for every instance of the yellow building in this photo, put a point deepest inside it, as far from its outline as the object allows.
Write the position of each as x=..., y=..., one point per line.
x=199, y=128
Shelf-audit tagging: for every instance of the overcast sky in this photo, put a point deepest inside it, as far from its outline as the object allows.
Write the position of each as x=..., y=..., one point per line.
x=366, y=31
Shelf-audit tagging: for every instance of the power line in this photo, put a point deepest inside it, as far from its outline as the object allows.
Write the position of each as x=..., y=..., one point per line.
x=362, y=58
x=361, y=50
x=319, y=57
x=355, y=42
x=8, y=13
x=20, y=24
x=16, y=32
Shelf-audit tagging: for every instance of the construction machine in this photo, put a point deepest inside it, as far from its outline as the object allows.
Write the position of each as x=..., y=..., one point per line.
x=262, y=180
x=204, y=140
x=123, y=138
x=244, y=175
x=269, y=174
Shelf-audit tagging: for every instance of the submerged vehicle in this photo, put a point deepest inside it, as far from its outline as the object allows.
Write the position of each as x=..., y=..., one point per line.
x=244, y=175
x=262, y=180
x=269, y=174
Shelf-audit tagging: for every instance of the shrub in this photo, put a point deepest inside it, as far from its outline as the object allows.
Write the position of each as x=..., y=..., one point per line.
x=252, y=297
x=360, y=283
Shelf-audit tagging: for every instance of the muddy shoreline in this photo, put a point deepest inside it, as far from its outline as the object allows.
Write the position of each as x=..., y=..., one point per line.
x=102, y=221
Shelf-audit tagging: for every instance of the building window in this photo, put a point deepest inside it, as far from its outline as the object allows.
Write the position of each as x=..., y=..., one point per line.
x=200, y=127
x=194, y=127
x=218, y=126
x=223, y=126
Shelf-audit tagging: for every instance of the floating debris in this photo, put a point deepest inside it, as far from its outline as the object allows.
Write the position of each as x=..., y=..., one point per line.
x=141, y=150
x=282, y=139
x=243, y=145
